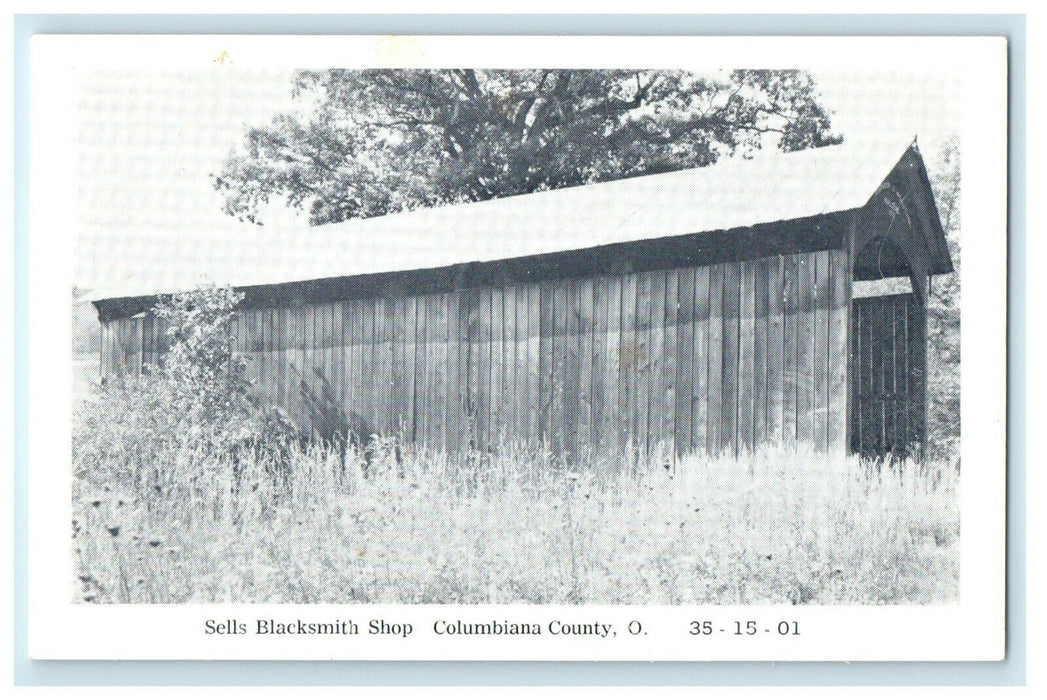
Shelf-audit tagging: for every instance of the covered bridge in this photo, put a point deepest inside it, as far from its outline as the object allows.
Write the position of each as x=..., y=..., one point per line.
x=700, y=311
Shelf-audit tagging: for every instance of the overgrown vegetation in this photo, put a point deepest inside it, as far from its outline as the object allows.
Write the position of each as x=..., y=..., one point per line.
x=943, y=319
x=780, y=527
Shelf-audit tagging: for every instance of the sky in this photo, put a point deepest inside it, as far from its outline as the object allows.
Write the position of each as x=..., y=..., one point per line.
x=148, y=141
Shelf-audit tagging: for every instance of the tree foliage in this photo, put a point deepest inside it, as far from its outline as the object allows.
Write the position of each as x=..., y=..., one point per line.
x=943, y=322
x=371, y=142
x=207, y=382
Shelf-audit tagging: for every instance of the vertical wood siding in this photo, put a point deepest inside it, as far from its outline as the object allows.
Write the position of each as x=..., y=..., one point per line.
x=888, y=375
x=710, y=360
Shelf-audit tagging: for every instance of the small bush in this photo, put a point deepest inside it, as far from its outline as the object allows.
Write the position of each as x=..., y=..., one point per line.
x=197, y=406
x=204, y=381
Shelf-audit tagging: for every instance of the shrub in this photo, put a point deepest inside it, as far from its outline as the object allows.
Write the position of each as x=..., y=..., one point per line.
x=205, y=382
x=197, y=406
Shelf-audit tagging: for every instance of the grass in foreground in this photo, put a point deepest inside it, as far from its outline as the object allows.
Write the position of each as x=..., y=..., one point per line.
x=778, y=527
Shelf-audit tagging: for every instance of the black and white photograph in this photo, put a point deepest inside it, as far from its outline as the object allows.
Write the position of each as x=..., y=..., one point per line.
x=460, y=334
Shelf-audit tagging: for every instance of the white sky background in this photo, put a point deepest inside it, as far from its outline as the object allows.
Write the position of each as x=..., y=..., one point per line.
x=149, y=139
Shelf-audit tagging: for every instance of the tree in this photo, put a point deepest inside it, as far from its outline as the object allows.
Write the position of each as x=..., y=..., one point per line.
x=371, y=142
x=943, y=321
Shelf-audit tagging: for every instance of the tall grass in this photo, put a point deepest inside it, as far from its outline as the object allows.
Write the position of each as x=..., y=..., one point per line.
x=779, y=526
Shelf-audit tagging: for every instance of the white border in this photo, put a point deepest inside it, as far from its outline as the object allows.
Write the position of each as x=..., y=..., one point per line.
x=973, y=629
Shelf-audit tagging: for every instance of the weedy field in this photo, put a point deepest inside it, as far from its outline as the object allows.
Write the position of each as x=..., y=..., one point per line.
x=174, y=526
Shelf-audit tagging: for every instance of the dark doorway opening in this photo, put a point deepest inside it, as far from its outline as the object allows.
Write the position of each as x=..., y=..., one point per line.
x=888, y=358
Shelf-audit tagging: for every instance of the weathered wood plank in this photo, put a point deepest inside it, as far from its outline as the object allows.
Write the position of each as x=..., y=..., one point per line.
x=435, y=395
x=871, y=396
x=869, y=408
x=872, y=410
x=746, y=356
x=791, y=367
x=279, y=354
x=562, y=421
x=438, y=326
x=613, y=432
x=854, y=377
x=775, y=348
x=368, y=369
x=327, y=376
x=643, y=360
x=338, y=352
x=360, y=367
x=251, y=351
x=483, y=390
x=414, y=361
x=269, y=344
x=149, y=347
x=332, y=363
x=584, y=347
x=807, y=351
x=761, y=279
x=310, y=341
x=495, y=429
x=284, y=376
x=546, y=328
x=511, y=424
x=534, y=396
x=320, y=378
x=821, y=350
x=425, y=394
x=135, y=346
x=521, y=369
x=301, y=414
x=321, y=372
x=670, y=363
x=240, y=330
x=426, y=397
x=839, y=312
x=877, y=377
x=656, y=362
x=700, y=373
x=571, y=371
x=112, y=363
x=103, y=351
x=387, y=396
x=628, y=353
x=121, y=346
x=471, y=378
x=114, y=346
x=729, y=430
x=458, y=408
x=895, y=427
x=377, y=378
x=397, y=377
x=345, y=310
x=599, y=360
x=686, y=361
x=714, y=405
x=124, y=334
x=895, y=347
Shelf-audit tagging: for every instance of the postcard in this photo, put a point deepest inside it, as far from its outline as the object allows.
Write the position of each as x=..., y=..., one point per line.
x=517, y=348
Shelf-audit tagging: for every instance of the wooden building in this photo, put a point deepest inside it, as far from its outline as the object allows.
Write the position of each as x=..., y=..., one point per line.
x=709, y=310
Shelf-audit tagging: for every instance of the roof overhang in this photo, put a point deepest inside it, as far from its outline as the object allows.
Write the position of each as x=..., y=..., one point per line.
x=774, y=203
